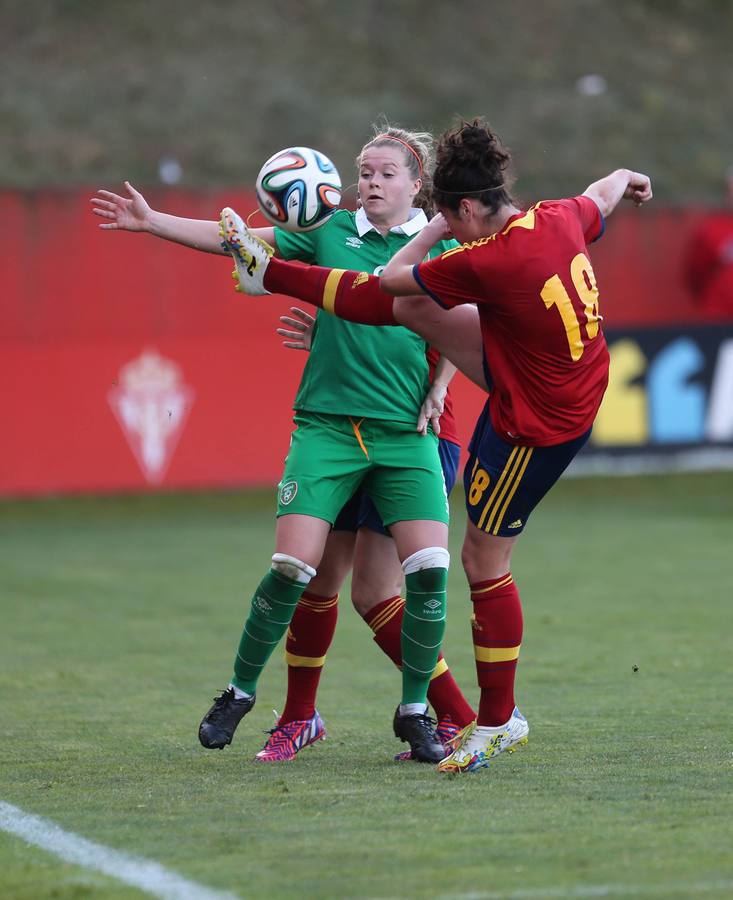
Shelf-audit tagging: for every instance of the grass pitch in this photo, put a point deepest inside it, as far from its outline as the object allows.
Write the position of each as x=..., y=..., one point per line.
x=119, y=619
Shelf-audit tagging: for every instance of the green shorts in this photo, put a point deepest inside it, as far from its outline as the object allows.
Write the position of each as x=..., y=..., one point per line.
x=331, y=456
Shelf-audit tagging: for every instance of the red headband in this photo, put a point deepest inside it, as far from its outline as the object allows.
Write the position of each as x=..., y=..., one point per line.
x=392, y=137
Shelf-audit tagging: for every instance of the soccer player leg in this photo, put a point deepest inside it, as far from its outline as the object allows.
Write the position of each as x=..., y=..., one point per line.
x=376, y=587
x=503, y=483
x=309, y=637
x=423, y=627
x=321, y=473
x=348, y=294
x=270, y=612
x=312, y=627
x=408, y=489
x=493, y=477
x=455, y=333
x=409, y=492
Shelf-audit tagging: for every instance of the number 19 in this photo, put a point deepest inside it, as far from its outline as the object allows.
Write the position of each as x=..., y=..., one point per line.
x=554, y=294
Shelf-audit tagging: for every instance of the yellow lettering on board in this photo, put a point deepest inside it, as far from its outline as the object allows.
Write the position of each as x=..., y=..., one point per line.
x=623, y=418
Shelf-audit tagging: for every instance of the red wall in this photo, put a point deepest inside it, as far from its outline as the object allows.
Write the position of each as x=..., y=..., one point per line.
x=77, y=304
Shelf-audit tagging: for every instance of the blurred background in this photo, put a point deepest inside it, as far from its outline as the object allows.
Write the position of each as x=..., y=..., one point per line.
x=129, y=364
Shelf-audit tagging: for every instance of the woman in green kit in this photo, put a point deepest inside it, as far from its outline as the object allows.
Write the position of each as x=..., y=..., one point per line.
x=360, y=396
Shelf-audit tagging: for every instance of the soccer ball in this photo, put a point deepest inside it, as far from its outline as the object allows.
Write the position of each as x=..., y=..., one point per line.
x=298, y=189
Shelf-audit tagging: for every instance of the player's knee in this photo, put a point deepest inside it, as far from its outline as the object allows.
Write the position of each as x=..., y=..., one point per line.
x=361, y=602
x=490, y=559
x=292, y=568
x=428, y=558
x=366, y=593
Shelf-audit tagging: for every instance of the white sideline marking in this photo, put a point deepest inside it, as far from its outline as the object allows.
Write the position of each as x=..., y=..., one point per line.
x=136, y=871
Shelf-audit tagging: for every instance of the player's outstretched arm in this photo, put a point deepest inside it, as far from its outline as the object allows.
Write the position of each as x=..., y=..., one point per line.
x=133, y=213
x=619, y=185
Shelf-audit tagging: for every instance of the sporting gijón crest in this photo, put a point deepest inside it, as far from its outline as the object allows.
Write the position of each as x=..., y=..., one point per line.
x=151, y=402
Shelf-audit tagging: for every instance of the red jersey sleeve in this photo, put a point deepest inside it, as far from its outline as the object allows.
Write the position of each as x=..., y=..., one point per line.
x=588, y=214
x=449, y=279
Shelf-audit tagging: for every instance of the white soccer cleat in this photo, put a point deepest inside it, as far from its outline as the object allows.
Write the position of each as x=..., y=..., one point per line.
x=475, y=746
x=251, y=254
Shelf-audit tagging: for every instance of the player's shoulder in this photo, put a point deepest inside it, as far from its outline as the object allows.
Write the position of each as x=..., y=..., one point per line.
x=341, y=219
x=306, y=244
x=338, y=221
x=579, y=205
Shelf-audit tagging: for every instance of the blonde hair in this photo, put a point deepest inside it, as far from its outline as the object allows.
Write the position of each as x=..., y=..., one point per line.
x=417, y=153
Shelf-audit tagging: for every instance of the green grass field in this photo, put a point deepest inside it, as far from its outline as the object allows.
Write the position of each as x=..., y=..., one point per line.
x=119, y=618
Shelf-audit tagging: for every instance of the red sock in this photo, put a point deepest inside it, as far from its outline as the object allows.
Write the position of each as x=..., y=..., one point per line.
x=385, y=620
x=497, y=635
x=350, y=295
x=444, y=695
x=309, y=637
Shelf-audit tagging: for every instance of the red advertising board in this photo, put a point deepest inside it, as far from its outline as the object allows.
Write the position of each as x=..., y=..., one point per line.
x=129, y=363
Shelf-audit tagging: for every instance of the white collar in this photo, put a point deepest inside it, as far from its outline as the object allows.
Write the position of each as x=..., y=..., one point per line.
x=416, y=221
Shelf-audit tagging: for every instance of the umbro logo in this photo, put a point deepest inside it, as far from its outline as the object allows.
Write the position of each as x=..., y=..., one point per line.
x=262, y=604
x=354, y=242
x=517, y=523
x=432, y=605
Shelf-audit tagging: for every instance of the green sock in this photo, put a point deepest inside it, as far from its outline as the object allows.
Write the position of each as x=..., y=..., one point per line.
x=423, y=626
x=272, y=609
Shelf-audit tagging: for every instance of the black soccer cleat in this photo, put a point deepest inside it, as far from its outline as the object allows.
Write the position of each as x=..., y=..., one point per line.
x=419, y=732
x=220, y=722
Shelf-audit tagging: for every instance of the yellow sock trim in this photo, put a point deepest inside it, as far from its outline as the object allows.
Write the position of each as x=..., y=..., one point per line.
x=440, y=669
x=387, y=613
x=493, y=587
x=307, y=662
x=495, y=654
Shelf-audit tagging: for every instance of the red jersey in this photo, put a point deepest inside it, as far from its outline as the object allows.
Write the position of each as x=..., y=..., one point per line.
x=448, y=430
x=545, y=355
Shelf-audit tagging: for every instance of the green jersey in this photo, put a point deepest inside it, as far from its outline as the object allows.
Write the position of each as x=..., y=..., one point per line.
x=377, y=372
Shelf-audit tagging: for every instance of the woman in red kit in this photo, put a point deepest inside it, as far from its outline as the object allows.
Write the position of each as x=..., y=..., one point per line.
x=533, y=339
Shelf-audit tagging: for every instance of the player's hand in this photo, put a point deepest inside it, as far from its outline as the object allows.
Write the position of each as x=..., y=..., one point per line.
x=432, y=409
x=438, y=229
x=639, y=188
x=130, y=213
x=299, y=331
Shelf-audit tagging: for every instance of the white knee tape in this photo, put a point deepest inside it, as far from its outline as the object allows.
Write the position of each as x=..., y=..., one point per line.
x=292, y=568
x=429, y=558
